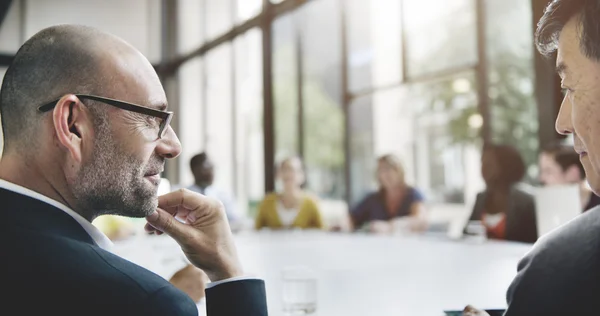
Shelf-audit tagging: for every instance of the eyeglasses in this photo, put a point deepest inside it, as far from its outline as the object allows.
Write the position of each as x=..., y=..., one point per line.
x=165, y=116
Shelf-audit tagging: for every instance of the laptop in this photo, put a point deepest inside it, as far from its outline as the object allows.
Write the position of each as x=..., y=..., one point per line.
x=555, y=206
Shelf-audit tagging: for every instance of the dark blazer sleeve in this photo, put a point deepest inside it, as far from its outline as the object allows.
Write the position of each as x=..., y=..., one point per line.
x=169, y=301
x=560, y=275
x=243, y=298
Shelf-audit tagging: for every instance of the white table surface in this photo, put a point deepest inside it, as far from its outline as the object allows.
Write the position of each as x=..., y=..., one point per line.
x=361, y=274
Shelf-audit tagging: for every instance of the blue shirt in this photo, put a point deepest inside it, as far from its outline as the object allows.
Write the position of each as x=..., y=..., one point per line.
x=373, y=207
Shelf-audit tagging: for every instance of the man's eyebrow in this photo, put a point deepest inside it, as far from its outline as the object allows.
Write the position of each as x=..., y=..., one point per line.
x=158, y=106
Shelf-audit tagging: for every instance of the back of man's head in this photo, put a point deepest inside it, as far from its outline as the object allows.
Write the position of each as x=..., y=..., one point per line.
x=566, y=157
x=55, y=61
x=198, y=160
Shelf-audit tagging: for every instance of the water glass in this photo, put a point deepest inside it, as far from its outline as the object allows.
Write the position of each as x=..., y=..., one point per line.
x=476, y=231
x=299, y=291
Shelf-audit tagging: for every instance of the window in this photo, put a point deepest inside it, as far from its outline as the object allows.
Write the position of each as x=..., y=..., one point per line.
x=190, y=29
x=362, y=157
x=511, y=77
x=218, y=17
x=440, y=35
x=190, y=116
x=219, y=115
x=247, y=9
x=374, y=43
x=446, y=122
x=285, y=87
x=323, y=118
x=249, y=120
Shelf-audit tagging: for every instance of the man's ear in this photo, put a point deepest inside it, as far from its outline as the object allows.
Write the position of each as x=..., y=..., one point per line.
x=71, y=124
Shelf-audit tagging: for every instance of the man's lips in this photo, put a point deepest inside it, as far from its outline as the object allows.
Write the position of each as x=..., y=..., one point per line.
x=581, y=153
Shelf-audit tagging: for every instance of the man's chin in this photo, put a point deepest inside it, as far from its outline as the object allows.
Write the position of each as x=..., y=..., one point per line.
x=140, y=210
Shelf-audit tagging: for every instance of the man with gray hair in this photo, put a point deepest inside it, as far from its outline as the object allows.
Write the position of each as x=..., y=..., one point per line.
x=87, y=133
x=561, y=274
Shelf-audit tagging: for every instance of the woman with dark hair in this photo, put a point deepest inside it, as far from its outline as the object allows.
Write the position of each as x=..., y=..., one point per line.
x=394, y=199
x=506, y=212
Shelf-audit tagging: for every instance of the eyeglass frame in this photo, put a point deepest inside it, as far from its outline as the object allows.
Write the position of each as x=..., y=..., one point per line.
x=166, y=116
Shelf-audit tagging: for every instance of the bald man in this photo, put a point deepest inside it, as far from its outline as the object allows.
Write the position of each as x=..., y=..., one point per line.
x=87, y=133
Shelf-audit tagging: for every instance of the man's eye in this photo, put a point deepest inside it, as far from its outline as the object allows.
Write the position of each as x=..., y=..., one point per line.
x=152, y=121
x=566, y=91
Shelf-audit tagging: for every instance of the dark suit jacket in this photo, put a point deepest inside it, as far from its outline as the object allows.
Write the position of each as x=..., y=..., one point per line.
x=521, y=222
x=561, y=274
x=51, y=266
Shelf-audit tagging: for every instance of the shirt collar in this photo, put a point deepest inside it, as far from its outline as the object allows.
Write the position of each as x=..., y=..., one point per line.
x=92, y=230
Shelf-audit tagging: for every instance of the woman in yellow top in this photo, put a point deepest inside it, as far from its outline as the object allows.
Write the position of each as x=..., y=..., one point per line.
x=292, y=208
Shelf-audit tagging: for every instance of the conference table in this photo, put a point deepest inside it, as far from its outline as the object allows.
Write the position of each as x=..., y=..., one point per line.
x=360, y=274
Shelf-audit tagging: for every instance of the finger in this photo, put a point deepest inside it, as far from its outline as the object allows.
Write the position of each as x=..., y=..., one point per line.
x=162, y=221
x=190, y=204
x=182, y=198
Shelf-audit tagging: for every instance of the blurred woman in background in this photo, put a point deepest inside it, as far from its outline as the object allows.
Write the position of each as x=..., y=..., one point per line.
x=506, y=212
x=395, y=199
x=292, y=208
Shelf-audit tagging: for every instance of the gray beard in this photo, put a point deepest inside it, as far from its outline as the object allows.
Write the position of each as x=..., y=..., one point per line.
x=113, y=181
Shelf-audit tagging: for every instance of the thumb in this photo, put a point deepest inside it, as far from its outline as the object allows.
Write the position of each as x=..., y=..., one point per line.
x=167, y=223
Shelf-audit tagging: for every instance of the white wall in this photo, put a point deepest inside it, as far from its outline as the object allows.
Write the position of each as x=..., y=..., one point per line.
x=136, y=21
x=10, y=31
x=191, y=87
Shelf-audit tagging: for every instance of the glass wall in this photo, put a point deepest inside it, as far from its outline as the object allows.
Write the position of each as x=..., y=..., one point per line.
x=323, y=117
x=219, y=113
x=249, y=157
x=412, y=90
x=374, y=46
x=285, y=87
x=440, y=35
x=510, y=50
x=431, y=117
x=219, y=17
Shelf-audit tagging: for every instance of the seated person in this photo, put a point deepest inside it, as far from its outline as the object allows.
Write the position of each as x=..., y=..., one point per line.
x=394, y=199
x=560, y=165
x=204, y=175
x=115, y=227
x=292, y=208
x=506, y=212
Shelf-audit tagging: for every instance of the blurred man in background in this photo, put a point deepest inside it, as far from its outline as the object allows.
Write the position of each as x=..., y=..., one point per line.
x=560, y=165
x=204, y=175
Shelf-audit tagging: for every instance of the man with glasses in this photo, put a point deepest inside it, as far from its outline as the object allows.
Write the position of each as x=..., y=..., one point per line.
x=87, y=133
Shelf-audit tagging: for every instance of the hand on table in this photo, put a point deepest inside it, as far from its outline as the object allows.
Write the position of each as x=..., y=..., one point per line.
x=380, y=227
x=204, y=234
x=472, y=311
x=191, y=281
